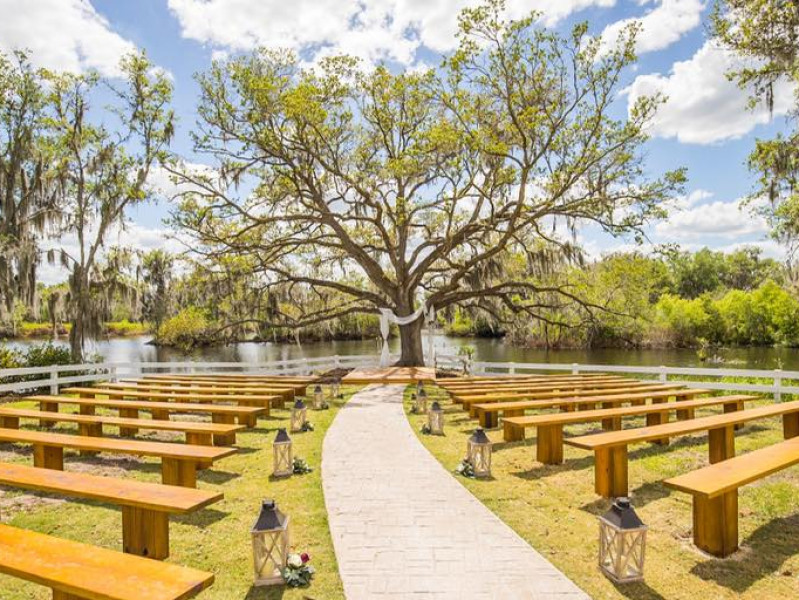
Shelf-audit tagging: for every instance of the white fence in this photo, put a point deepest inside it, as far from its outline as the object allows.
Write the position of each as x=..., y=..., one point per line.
x=59, y=375
x=775, y=382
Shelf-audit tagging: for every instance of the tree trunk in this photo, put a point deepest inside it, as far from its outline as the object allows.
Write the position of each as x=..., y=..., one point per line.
x=411, y=344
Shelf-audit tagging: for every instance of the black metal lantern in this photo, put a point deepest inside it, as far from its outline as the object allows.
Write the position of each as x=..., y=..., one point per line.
x=435, y=419
x=420, y=401
x=298, y=415
x=419, y=386
x=270, y=544
x=283, y=455
x=478, y=453
x=622, y=543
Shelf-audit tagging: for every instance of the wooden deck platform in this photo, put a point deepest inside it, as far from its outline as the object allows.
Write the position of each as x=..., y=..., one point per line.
x=390, y=375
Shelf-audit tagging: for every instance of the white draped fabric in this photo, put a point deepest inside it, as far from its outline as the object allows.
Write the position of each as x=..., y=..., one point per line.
x=387, y=317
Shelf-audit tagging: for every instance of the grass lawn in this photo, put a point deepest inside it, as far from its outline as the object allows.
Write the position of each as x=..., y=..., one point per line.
x=555, y=509
x=215, y=539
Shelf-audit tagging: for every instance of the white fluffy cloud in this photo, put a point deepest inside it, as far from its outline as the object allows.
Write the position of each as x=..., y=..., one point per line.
x=390, y=30
x=63, y=35
x=661, y=26
x=703, y=106
x=716, y=219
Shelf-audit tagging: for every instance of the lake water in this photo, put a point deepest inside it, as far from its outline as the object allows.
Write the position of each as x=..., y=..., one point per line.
x=136, y=349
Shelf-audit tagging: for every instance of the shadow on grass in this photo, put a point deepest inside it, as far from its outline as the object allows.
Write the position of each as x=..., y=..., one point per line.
x=201, y=518
x=638, y=590
x=761, y=555
x=267, y=592
x=216, y=477
x=640, y=496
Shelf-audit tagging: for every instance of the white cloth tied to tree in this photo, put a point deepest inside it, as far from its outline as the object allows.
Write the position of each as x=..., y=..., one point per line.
x=387, y=317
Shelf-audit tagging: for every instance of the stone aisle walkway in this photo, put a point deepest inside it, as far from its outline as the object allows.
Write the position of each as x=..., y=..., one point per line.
x=405, y=528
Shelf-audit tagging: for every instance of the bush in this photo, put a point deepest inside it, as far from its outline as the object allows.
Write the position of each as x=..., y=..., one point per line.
x=125, y=328
x=188, y=329
x=40, y=355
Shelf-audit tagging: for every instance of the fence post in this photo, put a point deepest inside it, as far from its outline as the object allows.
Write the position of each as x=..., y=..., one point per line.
x=337, y=361
x=54, y=380
x=112, y=373
x=512, y=369
x=778, y=385
x=575, y=369
x=664, y=376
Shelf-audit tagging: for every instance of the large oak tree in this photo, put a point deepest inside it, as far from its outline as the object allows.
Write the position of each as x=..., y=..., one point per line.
x=451, y=186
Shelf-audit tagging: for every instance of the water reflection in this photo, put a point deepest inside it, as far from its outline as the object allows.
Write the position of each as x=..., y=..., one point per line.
x=137, y=349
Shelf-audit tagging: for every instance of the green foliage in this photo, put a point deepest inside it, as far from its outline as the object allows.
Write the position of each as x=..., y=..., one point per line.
x=39, y=355
x=186, y=330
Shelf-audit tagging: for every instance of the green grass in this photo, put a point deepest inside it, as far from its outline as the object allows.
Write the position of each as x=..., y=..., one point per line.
x=215, y=539
x=555, y=509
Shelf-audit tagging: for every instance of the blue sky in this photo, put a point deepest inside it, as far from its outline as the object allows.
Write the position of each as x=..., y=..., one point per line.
x=705, y=126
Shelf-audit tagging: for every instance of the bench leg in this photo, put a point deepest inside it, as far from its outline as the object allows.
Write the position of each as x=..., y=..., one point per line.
x=722, y=443
x=472, y=411
x=731, y=407
x=87, y=410
x=91, y=430
x=224, y=439
x=512, y=433
x=716, y=523
x=488, y=420
x=685, y=413
x=549, y=446
x=128, y=413
x=49, y=407
x=790, y=425
x=145, y=532
x=198, y=439
x=9, y=422
x=48, y=457
x=249, y=421
x=653, y=419
x=178, y=472
x=160, y=414
x=611, y=424
x=610, y=471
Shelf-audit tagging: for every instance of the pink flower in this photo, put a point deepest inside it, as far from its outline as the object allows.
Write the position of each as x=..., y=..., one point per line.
x=305, y=557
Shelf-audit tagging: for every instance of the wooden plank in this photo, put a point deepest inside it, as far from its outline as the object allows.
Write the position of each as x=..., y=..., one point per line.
x=286, y=392
x=645, y=434
x=538, y=382
x=9, y=418
x=484, y=410
x=241, y=400
x=717, y=479
x=523, y=391
x=76, y=570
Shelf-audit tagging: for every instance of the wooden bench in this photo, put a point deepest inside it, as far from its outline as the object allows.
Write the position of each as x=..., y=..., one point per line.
x=179, y=462
x=299, y=385
x=220, y=413
x=610, y=448
x=76, y=571
x=284, y=393
x=449, y=384
x=549, y=443
x=489, y=406
x=488, y=414
x=715, y=492
x=521, y=394
x=541, y=387
x=245, y=400
x=199, y=434
x=146, y=507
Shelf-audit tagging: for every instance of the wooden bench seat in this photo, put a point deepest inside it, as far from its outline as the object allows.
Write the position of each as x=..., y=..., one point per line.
x=715, y=492
x=459, y=393
x=284, y=393
x=145, y=506
x=488, y=414
x=76, y=571
x=240, y=400
x=220, y=413
x=179, y=462
x=549, y=445
x=610, y=448
x=505, y=381
x=200, y=434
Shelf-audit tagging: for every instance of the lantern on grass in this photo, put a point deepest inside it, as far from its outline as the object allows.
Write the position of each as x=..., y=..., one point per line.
x=419, y=386
x=478, y=453
x=420, y=401
x=622, y=542
x=318, y=398
x=435, y=419
x=283, y=455
x=335, y=388
x=298, y=413
x=270, y=544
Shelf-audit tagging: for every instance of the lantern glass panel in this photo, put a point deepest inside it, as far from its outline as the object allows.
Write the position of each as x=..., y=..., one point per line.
x=298, y=416
x=435, y=419
x=318, y=398
x=283, y=455
x=270, y=545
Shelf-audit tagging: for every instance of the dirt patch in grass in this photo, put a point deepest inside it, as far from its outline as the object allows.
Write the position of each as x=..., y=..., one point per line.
x=555, y=509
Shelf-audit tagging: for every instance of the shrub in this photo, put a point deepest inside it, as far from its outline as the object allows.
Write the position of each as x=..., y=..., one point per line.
x=186, y=330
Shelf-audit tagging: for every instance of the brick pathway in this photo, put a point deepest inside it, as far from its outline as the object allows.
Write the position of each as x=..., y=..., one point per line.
x=405, y=528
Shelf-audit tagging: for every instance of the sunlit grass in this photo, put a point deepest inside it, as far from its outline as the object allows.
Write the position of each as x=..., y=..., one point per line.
x=216, y=539
x=555, y=509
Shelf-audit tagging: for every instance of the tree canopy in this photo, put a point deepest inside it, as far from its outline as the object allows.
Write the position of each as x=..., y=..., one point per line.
x=460, y=185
